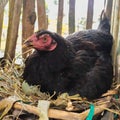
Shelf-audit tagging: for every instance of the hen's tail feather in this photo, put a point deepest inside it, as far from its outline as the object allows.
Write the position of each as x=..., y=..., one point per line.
x=104, y=25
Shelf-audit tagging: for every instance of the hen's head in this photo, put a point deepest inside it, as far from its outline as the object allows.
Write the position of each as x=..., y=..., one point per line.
x=42, y=40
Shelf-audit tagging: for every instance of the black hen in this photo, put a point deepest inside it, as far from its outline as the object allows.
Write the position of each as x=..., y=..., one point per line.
x=81, y=63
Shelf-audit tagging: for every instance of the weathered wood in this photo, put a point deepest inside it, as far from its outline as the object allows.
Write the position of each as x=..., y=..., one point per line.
x=118, y=61
x=42, y=19
x=108, y=8
x=100, y=105
x=72, y=16
x=12, y=34
x=115, y=30
x=60, y=16
x=116, y=20
x=117, y=65
x=112, y=15
x=2, y=4
x=1, y=24
x=90, y=14
x=28, y=20
x=60, y=114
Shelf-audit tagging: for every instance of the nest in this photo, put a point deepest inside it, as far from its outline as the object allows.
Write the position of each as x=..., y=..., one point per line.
x=19, y=100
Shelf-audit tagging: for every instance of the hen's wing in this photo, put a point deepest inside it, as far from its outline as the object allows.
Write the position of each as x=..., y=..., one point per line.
x=91, y=74
x=91, y=40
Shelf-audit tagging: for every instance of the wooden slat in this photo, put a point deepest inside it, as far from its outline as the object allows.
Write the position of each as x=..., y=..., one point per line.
x=60, y=16
x=72, y=16
x=14, y=18
x=28, y=20
x=1, y=23
x=2, y=4
x=90, y=14
x=42, y=19
x=108, y=8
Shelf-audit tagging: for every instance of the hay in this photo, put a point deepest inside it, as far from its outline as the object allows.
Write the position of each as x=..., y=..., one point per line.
x=11, y=83
x=64, y=107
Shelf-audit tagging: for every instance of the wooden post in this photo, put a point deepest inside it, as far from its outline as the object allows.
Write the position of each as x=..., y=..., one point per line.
x=2, y=5
x=112, y=15
x=115, y=30
x=71, y=16
x=117, y=62
x=42, y=19
x=90, y=14
x=1, y=23
x=60, y=16
x=28, y=20
x=12, y=34
x=108, y=8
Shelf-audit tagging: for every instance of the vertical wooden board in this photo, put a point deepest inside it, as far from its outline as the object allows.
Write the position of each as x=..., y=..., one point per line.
x=11, y=9
x=1, y=24
x=90, y=14
x=42, y=18
x=117, y=72
x=118, y=69
x=108, y=8
x=2, y=4
x=72, y=16
x=112, y=15
x=28, y=20
x=116, y=20
x=115, y=31
x=14, y=18
x=60, y=16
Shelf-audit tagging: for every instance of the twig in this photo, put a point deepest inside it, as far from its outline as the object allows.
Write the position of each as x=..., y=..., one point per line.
x=59, y=114
x=105, y=103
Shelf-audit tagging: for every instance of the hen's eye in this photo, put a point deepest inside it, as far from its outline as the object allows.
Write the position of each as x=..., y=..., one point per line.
x=44, y=39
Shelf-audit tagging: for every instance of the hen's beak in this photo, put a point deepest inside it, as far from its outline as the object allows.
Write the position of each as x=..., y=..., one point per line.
x=27, y=43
